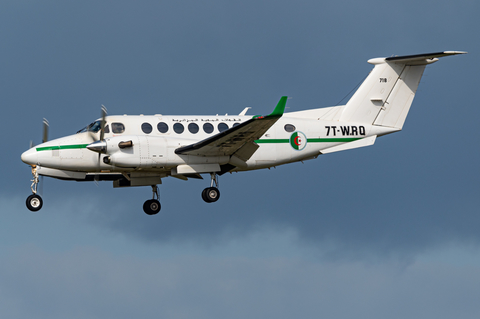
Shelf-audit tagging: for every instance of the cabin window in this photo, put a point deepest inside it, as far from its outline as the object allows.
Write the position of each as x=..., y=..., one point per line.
x=146, y=128
x=106, y=129
x=178, y=128
x=118, y=128
x=162, y=127
x=289, y=128
x=193, y=128
x=208, y=128
x=222, y=127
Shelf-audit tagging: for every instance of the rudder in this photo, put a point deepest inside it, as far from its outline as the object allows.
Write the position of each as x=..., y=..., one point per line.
x=394, y=112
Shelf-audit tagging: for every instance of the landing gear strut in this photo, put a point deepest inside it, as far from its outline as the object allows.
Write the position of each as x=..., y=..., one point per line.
x=211, y=194
x=34, y=202
x=152, y=206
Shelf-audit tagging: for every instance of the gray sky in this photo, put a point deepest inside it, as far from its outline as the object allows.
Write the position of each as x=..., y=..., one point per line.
x=384, y=231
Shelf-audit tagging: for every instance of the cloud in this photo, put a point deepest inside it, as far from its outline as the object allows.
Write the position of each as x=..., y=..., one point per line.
x=86, y=282
x=339, y=205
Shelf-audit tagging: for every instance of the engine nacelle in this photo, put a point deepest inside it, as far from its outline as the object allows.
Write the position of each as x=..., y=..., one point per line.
x=136, y=151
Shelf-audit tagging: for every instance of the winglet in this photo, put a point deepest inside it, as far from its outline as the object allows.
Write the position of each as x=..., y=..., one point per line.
x=278, y=111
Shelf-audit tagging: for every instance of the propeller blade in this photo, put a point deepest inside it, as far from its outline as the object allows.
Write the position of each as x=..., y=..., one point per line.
x=45, y=130
x=102, y=135
x=97, y=177
x=40, y=191
x=102, y=126
x=99, y=145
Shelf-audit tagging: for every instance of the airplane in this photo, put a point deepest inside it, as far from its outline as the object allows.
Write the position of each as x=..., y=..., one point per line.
x=142, y=150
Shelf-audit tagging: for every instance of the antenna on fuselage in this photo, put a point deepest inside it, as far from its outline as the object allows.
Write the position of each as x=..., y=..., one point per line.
x=244, y=111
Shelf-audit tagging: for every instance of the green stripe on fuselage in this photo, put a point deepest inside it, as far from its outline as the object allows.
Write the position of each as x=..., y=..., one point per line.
x=311, y=140
x=272, y=140
x=61, y=147
x=333, y=140
x=262, y=141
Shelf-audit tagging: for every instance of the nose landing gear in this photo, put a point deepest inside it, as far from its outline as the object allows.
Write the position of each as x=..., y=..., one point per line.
x=152, y=206
x=34, y=202
x=211, y=194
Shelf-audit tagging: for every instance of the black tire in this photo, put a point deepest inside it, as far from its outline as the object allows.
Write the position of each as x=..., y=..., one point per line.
x=212, y=194
x=34, y=202
x=152, y=207
x=204, y=196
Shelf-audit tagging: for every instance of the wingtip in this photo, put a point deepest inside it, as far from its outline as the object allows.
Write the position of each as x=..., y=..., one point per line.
x=455, y=52
x=277, y=112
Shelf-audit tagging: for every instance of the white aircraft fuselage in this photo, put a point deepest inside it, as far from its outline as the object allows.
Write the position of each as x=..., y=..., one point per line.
x=155, y=151
x=142, y=150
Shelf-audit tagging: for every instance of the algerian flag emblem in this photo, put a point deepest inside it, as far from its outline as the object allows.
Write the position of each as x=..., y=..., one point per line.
x=298, y=140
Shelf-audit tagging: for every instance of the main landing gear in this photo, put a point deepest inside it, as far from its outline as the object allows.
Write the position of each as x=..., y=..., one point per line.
x=34, y=202
x=152, y=206
x=211, y=194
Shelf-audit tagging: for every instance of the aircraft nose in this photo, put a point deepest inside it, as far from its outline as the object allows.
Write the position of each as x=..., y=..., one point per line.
x=30, y=156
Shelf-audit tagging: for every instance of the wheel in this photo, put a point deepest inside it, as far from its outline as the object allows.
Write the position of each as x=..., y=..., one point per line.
x=211, y=194
x=151, y=207
x=34, y=202
x=204, y=196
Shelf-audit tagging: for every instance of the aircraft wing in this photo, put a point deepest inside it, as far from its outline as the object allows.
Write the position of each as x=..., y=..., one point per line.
x=238, y=140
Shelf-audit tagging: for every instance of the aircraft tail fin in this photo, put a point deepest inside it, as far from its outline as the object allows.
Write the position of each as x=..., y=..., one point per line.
x=385, y=97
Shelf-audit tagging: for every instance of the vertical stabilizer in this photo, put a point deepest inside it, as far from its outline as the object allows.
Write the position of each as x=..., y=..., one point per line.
x=364, y=105
x=396, y=107
x=385, y=97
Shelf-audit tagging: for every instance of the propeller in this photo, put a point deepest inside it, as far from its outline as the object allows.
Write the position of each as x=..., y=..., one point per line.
x=46, y=126
x=45, y=133
x=45, y=130
x=36, y=180
x=102, y=126
x=99, y=145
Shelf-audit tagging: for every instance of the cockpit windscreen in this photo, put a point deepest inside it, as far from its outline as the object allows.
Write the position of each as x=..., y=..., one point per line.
x=94, y=127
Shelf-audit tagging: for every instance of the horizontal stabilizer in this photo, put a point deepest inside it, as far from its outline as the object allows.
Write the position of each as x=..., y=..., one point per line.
x=422, y=57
